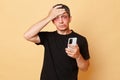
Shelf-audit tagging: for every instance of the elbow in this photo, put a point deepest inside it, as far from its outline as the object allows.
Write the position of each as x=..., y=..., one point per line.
x=84, y=67
x=26, y=36
x=34, y=39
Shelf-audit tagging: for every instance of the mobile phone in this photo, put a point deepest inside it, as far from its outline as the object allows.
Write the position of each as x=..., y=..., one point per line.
x=72, y=40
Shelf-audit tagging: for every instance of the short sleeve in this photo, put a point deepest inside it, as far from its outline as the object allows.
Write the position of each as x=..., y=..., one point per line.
x=42, y=37
x=84, y=49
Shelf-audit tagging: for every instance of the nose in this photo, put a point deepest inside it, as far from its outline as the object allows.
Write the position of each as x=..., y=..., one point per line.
x=60, y=20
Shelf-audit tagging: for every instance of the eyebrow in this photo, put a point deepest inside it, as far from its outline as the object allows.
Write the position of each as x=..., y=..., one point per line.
x=65, y=14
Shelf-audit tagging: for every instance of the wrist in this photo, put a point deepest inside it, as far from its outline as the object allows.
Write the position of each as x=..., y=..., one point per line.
x=49, y=18
x=79, y=56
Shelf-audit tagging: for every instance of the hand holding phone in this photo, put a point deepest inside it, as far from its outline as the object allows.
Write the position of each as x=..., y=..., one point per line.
x=72, y=41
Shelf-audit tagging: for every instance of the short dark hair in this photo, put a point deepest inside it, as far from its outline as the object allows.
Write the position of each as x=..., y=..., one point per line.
x=64, y=7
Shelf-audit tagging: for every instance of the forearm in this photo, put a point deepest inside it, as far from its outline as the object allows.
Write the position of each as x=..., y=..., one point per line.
x=36, y=28
x=82, y=63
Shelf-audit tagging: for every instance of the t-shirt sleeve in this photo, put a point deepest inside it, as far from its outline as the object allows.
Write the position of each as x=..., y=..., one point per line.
x=42, y=37
x=84, y=49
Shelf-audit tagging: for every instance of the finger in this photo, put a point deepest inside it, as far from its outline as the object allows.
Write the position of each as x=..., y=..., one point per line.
x=58, y=7
x=69, y=51
x=71, y=46
x=61, y=11
x=69, y=54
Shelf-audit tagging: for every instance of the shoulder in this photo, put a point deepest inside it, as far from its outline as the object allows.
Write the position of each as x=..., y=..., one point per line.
x=80, y=38
x=79, y=35
x=45, y=36
x=46, y=33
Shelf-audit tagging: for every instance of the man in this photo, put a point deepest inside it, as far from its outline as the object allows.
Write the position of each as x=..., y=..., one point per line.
x=61, y=60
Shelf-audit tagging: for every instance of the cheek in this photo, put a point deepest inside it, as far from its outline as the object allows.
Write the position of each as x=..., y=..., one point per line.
x=55, y=20
x=66, y=22
x=55, y=23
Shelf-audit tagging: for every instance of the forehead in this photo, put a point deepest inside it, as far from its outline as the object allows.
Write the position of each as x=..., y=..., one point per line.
x=64, y=14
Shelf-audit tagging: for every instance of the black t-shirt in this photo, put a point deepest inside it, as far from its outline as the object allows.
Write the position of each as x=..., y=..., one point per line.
x=57, y=64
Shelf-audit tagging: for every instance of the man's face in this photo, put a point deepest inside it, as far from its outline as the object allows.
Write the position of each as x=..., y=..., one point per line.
x=62, y=22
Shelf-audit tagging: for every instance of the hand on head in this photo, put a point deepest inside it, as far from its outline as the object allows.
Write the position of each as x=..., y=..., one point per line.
x=56, y=11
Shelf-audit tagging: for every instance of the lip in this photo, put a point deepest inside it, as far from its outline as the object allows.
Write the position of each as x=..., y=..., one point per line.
x=61, y=25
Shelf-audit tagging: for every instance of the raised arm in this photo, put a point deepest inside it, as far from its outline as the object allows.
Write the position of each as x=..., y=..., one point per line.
x=32, y=33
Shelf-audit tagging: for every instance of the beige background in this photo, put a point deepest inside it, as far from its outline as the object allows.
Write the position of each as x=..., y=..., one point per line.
x=98, y=20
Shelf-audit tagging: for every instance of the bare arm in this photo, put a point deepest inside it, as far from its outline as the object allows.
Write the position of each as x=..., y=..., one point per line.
x=74, y=52
x=32, y=33
x=82, y=63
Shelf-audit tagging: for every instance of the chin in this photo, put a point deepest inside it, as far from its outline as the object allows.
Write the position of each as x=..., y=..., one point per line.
x=62, y=29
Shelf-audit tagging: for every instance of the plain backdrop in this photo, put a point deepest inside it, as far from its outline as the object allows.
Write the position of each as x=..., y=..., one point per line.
x=98, y=20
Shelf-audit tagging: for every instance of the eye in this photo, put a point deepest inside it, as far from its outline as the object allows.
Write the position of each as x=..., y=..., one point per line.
x=56, y=18
x=64, y=16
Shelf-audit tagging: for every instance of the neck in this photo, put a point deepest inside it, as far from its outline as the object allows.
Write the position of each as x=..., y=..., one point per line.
x=64, y=32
